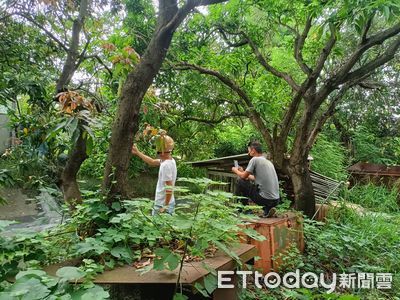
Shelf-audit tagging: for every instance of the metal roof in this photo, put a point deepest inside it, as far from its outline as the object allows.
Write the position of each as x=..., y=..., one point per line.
x=374, y=169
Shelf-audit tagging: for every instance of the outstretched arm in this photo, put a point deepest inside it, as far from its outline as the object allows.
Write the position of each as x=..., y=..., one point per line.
x=147, y=159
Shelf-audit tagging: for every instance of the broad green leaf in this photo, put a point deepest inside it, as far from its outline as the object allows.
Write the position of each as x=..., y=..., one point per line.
x=229, y=252
x=200, y=288
x=253, y=234
x=35, y=273
x=70, y=273
x=94, y=293
x=166, y=259
x=179, y=296
x=31, y=289
x=124, y=253
x=210, y=283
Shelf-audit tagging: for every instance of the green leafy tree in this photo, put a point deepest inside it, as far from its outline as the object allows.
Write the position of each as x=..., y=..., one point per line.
x=288, y=64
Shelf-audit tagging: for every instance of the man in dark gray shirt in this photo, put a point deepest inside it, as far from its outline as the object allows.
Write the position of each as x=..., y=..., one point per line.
x=265, y=189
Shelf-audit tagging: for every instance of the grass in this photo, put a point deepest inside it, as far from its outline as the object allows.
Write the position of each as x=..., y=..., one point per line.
x=375, y=198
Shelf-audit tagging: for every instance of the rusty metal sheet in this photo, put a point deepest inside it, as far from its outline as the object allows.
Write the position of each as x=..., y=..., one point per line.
x=374, y=169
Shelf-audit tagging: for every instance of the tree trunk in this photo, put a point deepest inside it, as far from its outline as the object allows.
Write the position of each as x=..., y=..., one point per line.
x=77, y=156
x=345, y=136
x=138, y=81
x=127, y=120
x=69, y=185
x=71, y=63
x=303, y=189
x=298, y=164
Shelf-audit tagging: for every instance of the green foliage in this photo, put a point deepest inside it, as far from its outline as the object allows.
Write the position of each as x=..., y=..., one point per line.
x=166, y=259
x=375, y=198
x=370, y=148
x=27, y=250
x=329, y=158
x=29, y=168
x=351, y=242
x=289, y=260
x=233, y=139
x=186, y=170
x=131, y=230
x=6, y=179
x=290, y=294
x=123, y=234
x=36, y=284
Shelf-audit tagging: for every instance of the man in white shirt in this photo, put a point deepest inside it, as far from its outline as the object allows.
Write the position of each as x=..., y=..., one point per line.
x=164, y=198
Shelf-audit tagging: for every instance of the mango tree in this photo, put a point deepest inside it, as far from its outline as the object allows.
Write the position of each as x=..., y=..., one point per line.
x=286, y=65
x=171, y=13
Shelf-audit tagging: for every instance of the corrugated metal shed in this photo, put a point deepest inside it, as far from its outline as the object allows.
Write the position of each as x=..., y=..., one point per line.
x=219, y=169
x=376, y=173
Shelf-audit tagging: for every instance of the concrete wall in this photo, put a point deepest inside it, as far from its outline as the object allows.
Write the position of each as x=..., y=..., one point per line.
x=4, y=133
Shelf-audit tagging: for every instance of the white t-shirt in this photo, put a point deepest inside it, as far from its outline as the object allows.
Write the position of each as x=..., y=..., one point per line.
x=167, y=172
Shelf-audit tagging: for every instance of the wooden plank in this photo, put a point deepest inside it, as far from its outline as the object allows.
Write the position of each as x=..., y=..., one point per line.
x=222, y=173
x=191, y=272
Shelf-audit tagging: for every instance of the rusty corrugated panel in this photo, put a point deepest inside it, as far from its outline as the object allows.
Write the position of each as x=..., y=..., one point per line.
x=374, y=169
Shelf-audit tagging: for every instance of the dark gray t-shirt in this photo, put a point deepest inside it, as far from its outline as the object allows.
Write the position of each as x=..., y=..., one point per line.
x=265, y=176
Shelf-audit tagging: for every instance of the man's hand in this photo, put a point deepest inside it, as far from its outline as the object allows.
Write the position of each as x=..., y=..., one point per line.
x=162, y=210
x=240, y=172
x=134, y=150
x=235, y=170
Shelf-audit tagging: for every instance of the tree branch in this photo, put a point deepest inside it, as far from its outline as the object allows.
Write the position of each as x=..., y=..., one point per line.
x=213, y=121
x=40, y=26
x=310, y=81
x=230, y=44
x=325, y=116
x=82, y=56
x=253, y=115
x=101, y=62
x=268, y=67
x=366, y=29
x=299, y=44
x=69, y=67
x=375, y=63
x=373, y=40
x=181, y=14
x=332, y=108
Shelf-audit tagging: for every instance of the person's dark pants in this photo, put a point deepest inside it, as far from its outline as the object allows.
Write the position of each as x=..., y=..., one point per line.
x=248, y=190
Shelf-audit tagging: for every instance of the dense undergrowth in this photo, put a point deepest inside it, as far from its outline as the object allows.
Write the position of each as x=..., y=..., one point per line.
x=348, y=241
x=103, y=237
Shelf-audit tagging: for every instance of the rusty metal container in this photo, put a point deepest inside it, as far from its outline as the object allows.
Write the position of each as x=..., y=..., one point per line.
x=376, y=173
x=280, y=234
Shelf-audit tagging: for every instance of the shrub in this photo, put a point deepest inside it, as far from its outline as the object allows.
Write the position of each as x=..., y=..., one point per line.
x=377, y=198
x=329, y=158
